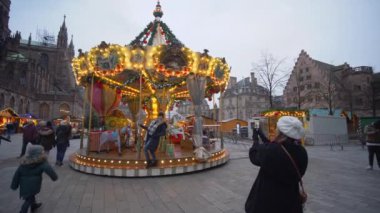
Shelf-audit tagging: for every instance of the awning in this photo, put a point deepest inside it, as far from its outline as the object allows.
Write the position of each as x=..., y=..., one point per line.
x=8, y=112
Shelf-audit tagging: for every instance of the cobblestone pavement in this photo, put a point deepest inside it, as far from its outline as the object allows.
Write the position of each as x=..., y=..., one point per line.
x=336, y=181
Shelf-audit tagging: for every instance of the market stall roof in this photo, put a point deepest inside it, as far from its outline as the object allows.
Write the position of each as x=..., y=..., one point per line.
x=8, y=112
x=28, y=115
x=325, y=112
x=232, y=119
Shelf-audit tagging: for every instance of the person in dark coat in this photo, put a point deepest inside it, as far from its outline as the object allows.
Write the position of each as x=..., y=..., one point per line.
x=276, y=188
x=29, y=135
x=28, y=176
x=46, y=136
x=156, y=129
x=372, y=133
x=63, y=134
x=9, y=130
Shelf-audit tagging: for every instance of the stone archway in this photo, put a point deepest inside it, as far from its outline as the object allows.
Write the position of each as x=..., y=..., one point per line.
x=27, y=107
x=2, y=101
x=44, y=111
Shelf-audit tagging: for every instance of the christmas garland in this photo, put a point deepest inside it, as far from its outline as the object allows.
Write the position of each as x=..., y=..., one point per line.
x=137, y=40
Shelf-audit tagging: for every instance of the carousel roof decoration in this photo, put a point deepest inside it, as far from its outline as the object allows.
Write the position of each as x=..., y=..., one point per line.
x=156, y=32
x=156, y=58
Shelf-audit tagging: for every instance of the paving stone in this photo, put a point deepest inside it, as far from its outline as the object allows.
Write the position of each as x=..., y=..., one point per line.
x=336, y=181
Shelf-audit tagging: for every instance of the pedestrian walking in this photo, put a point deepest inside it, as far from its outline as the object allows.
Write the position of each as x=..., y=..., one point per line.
x=282, y=164
x=372, y=133
x=156, y=129
x=46, y=136
x=4, y=138
x=29, y=135
x=9, y=130
x=63, y=135
x=28, y=176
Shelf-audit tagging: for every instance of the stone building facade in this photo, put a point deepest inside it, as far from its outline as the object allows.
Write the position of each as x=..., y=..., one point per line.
x=243, y=99
x=36, y=76
x=315, y=84
x=376, y=94
x=185, y=108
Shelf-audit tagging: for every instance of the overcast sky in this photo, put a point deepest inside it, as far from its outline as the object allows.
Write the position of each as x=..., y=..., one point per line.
x=332, y=31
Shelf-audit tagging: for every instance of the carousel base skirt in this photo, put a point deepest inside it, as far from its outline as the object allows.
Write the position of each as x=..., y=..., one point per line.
x=130, y=164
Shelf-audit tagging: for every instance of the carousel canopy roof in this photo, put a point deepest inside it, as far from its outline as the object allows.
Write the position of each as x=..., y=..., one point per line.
x=155, y=64
x=156, y=32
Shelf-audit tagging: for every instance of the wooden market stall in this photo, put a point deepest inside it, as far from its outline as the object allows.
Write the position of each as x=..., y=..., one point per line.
x=274, y=115
x=7, y=115
x=227, y=126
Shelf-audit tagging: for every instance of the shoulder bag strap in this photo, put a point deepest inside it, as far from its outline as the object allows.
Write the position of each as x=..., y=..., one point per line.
x=295, y=166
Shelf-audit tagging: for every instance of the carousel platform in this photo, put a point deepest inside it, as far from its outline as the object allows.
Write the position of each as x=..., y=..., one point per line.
x=130, y=164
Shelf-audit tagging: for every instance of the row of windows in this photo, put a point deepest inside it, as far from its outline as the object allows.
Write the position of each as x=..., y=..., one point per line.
x=317, y=85
x=357, y=101
x=12, y=104
x=250, y=98
x=307, y=78
x=309, y=99
x=306, y=70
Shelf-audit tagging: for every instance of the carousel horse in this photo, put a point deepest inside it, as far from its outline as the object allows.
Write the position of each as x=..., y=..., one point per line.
x=110, y=136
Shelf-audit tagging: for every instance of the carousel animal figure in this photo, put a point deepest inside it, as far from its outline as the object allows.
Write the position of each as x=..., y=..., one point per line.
x=127, y=133
x=110, y=136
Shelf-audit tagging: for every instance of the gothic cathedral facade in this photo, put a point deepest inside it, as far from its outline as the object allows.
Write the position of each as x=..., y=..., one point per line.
x=36, y=77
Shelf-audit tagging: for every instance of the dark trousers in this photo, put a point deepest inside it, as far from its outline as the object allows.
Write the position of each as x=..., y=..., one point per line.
x=372, y=151
x=61, y=150
x=23, y=149
x=150, y=147
x=24, y=145
x=28, y=202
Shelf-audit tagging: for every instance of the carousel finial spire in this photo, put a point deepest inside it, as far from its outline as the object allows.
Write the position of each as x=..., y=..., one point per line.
x=158, y=12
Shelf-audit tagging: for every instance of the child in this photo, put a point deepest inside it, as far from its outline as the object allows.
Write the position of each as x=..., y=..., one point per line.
x=29, y=176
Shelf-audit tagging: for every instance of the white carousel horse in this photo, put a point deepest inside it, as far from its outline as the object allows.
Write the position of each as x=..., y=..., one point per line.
x=110, y=136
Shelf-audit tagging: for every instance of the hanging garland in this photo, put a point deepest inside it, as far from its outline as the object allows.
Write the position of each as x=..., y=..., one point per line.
x=87, y=81
x=154, y=31
x=137, y=40
x=170, y=37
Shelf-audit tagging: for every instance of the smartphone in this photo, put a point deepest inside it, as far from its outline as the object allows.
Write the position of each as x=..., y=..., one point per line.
x=256, y=124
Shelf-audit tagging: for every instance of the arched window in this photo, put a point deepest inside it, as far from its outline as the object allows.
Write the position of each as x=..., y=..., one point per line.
x=64, y=109
x=21, y=107
x=44, y=111
x=23, y=75
x=12, y=102
x=2, y=100
x=27, y=107
x=44, y=61
x=10, y=71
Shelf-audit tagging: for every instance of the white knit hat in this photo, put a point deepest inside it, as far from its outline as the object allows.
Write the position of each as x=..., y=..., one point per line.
x=291, y=127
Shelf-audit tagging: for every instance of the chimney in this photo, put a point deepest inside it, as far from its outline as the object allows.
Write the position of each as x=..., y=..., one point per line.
x=253, y=80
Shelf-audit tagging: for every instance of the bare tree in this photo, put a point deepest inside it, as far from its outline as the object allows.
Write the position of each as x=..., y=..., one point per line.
x=369, y=92
x=329, y=89
x=270, y=73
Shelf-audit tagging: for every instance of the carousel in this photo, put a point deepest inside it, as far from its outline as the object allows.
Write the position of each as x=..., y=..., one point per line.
x=129, y=85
